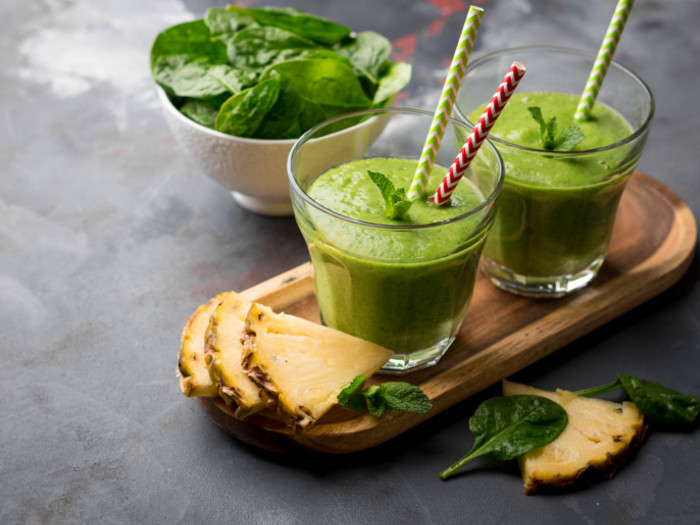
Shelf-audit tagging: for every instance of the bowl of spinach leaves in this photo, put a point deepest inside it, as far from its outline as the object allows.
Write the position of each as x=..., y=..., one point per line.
x=239, y=86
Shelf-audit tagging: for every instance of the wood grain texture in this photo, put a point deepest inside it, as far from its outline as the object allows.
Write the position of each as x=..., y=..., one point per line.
x=652, y=246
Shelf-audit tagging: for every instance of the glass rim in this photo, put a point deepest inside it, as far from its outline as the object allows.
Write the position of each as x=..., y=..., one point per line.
x=306, y=137
x=566, y=50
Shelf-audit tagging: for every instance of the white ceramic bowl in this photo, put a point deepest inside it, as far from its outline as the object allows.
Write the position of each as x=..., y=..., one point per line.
x=254, y=170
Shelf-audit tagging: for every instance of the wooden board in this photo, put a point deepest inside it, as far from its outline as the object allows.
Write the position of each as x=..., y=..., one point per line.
x=652, y=245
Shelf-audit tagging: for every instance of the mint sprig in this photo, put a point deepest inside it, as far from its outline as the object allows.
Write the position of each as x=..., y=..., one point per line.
x=567, y=140
x=392, y=395
x=397, y=204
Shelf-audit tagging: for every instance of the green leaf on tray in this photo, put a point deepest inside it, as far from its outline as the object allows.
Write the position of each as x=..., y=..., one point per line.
x=399, y=395
x=390, y=395
x=507, y=427
x=397, y=203
x=351, y=396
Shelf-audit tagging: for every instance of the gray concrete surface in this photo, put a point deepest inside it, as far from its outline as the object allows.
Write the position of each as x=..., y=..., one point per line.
x=109, y=238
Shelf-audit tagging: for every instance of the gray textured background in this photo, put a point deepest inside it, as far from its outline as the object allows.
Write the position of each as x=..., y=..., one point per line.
x=109, y=239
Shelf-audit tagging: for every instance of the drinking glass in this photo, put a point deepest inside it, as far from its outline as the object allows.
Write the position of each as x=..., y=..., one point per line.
x=552, y=231
x=403, y=286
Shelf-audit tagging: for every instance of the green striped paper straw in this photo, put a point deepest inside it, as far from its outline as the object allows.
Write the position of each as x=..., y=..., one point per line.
x=602, y=61
x=447, y=100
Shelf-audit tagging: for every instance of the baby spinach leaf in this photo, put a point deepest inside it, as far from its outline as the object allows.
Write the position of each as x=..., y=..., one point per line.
x=395, y=199
x=312, y=27
x=326, y=82
x=310, y=115
x=230, y=50
x=368, y=52
x=320, y=54
x=234, y=80
x=507, y=427
x=280, y=120
x=658, y=403
x=257, y=47
x=597, y=390
x=242, y=114
x=221, y=20
x=203, y=112
x=394, y=79
x=190, y=38
x=187, y=78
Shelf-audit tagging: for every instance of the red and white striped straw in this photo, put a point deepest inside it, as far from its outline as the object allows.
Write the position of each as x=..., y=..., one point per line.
x=479, y=134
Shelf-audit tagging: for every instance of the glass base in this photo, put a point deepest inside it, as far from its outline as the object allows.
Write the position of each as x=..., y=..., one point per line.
x=552, y=286
x=404, y=363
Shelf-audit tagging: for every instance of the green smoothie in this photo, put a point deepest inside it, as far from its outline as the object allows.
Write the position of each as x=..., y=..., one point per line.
x=403, y=285
x=557, y=209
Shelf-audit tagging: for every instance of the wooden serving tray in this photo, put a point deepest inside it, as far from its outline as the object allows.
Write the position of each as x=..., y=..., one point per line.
x=652, y=245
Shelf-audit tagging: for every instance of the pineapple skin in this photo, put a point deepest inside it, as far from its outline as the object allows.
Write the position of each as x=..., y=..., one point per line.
x=194, y=374
x=223, y=351
x=302, y=366
x=597, y=441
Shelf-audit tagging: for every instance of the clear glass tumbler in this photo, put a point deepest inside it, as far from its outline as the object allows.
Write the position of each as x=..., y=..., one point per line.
x=405, y=285
x=557, y=208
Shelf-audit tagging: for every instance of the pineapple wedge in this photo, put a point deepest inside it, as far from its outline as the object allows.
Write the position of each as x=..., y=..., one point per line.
x=597, y=440
x=303, y=366
x=194, y=374
x=223, y=352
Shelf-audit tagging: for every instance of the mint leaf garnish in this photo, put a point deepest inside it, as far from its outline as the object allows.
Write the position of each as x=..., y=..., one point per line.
x=405, y=396
x=545, y=136
x=564, y=141
x=392, y=395
x=397, y=204
x=351, y=396
x=569, y=138
x=375, y=402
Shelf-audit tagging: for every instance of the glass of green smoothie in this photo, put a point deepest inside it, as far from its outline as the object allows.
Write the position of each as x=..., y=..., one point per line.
x=402, y=283
x=559, y=200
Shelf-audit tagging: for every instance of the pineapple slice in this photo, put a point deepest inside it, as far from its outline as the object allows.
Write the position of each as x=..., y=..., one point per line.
x=194, y=374
x=597, y=440
x=223, y=350
x=303, y=366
